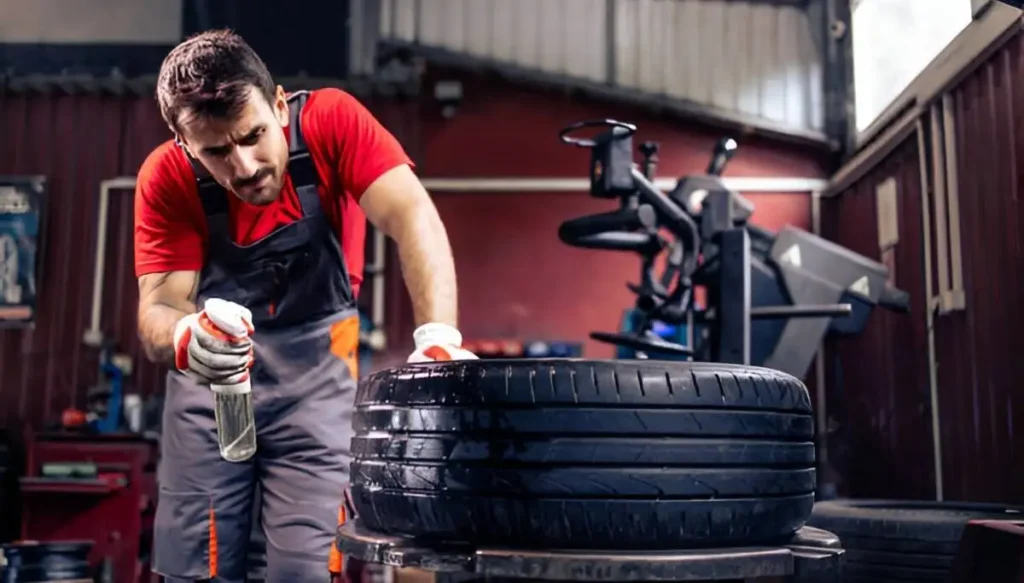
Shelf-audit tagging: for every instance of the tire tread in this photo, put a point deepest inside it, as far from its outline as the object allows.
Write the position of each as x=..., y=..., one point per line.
x=561, y=453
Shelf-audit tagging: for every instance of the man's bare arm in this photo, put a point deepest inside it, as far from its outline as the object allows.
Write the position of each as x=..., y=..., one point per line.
x=164, y=298
x=397, y=204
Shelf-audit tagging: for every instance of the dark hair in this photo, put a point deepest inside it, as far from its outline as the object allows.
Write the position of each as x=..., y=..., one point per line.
x=210, y=74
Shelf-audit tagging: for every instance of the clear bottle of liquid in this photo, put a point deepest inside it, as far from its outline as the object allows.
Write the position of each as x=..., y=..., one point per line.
x=236, y=423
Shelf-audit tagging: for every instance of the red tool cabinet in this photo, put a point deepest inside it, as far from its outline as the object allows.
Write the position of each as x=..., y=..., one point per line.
x=114, y=510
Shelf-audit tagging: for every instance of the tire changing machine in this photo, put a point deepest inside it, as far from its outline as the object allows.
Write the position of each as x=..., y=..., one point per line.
x=812, y=555
x=772, y=297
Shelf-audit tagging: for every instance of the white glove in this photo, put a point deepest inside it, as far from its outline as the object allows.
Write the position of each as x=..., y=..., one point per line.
x=436, y=342
x=213, y=346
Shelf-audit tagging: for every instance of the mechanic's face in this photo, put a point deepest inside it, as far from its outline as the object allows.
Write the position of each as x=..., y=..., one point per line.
x=248, y=155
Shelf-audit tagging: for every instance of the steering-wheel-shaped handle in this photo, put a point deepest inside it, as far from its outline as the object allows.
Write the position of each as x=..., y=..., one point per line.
x=619, y=131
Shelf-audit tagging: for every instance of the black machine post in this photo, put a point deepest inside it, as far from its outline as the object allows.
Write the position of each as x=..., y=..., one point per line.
x=732, y=335
x=730, y=338
x=771, y=297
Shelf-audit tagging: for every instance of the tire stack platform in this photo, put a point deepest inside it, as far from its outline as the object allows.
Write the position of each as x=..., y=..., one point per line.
x=555, y=469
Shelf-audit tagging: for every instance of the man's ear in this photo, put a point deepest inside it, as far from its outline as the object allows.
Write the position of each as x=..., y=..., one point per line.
x=281, y=106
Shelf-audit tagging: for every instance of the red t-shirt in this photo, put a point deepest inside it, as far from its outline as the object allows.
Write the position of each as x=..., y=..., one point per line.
x=350, y=150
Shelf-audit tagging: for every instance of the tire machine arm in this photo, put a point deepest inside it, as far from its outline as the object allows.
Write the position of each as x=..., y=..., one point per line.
x=644, y=210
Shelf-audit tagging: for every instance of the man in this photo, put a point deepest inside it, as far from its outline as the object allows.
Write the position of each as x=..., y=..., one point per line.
x=234, y=210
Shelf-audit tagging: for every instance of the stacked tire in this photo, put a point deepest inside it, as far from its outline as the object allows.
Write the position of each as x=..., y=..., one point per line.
x=31, y=562
x=899, y=541
x=584, y=454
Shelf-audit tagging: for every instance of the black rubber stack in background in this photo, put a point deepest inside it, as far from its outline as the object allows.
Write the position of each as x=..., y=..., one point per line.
x=39, y=562
x=900, y=541
x=584, y=454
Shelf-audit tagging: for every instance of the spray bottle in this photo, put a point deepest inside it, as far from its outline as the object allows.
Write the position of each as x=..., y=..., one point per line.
x=236, y=422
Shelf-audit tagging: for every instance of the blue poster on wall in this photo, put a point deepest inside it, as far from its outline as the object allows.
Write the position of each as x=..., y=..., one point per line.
x=21, y=209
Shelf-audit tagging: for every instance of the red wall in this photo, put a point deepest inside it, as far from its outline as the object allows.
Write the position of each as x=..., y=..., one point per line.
x=981, y=390
x=877, y=382
x=515, y=276
x=879, y=379
x=75, y=141
x=516, y=279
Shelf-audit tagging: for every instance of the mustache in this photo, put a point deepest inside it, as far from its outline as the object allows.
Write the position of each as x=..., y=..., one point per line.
x=254, y=179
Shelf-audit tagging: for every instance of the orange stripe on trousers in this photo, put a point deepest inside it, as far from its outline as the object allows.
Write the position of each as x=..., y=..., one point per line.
x=334, y=562
x=213, y=543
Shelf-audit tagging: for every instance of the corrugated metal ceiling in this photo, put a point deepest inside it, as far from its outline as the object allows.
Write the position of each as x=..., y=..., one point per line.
x=757, y=59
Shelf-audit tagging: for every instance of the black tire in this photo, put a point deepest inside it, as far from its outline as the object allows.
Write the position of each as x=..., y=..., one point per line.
x=584, y=454
x=901, y=541
x=47, y=561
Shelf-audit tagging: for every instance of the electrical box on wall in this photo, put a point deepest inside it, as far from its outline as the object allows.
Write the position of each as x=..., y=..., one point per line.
x=887, y=214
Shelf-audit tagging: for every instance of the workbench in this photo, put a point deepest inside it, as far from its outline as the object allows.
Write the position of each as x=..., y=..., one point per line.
x=113, y=509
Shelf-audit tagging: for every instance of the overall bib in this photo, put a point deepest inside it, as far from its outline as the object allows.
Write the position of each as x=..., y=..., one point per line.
x=296, y=284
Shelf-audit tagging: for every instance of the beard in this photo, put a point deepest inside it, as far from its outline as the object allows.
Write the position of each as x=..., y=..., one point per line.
x=259, y=190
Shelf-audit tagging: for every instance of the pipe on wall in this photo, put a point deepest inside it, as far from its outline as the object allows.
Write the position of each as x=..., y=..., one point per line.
x=929, y=317
x=377, y=338
x=954, y=297
x=379, y=262
x=512, y=185
x=94, y=335
x=821, y=413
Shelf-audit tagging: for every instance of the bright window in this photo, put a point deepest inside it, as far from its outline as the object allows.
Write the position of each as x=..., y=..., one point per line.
x=893, y=41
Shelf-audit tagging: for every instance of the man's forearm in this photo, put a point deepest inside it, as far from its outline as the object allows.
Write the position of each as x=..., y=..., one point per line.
x=427, y=264
x=156, y=330
x=164, y=299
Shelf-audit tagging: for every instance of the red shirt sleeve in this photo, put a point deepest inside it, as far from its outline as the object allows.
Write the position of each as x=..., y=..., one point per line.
x=361, y=148
x=168, y=236
x=354, y=149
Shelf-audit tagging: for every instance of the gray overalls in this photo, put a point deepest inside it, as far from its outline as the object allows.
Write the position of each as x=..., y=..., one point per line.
x=296, y=284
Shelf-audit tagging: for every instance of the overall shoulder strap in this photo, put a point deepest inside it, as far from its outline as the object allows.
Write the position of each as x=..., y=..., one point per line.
x=296, y=101
x=211, y=194
x=300, y=164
